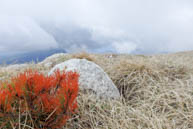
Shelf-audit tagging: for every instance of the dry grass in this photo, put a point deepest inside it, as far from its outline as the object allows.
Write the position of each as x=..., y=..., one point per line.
x=157, y=92
x=83, y=55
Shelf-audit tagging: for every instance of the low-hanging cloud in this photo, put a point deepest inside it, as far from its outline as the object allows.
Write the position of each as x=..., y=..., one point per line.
x=138, y=26
x=22, y=34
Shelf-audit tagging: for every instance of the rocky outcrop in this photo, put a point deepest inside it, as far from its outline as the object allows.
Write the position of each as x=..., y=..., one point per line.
x=49, y=61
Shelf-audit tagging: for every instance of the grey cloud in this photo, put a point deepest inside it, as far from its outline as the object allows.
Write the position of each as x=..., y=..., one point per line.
x=74, y=38
x=123, y=26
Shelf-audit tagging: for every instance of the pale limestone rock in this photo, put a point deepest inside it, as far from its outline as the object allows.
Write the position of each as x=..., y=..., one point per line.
x=92, y=77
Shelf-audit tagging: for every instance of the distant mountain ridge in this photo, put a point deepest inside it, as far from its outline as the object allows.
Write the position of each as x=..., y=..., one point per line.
x=35, y=56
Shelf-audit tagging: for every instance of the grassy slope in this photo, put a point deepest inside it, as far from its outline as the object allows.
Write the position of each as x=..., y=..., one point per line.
x=157, y=91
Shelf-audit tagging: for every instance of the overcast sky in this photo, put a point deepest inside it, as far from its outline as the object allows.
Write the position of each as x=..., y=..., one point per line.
x=122, y=26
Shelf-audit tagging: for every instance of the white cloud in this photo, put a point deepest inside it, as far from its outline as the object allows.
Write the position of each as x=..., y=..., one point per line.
x=21, y=34
x=115, y=25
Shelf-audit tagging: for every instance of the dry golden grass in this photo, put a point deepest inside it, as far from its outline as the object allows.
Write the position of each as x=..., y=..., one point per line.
x=157, y=92
x=83, y=55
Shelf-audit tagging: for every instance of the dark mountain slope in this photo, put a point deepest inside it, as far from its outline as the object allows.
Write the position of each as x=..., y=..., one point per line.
x=29, y=56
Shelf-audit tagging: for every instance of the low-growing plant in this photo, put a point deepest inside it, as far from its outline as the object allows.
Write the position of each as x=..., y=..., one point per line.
x=32, y=100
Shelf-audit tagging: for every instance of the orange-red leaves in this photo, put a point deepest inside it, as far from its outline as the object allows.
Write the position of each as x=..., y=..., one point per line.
x=41, y=94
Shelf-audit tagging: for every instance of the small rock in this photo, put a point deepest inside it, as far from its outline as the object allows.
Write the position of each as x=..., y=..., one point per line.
x=92, y=77
x=53, y=57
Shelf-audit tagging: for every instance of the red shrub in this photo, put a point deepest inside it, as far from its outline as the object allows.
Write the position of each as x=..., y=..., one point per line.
x=47, y=100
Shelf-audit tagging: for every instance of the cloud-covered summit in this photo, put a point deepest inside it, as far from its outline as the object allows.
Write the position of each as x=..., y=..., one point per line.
x=150, y=26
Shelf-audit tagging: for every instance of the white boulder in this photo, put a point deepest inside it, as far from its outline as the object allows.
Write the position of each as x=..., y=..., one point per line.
x=92, y=77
